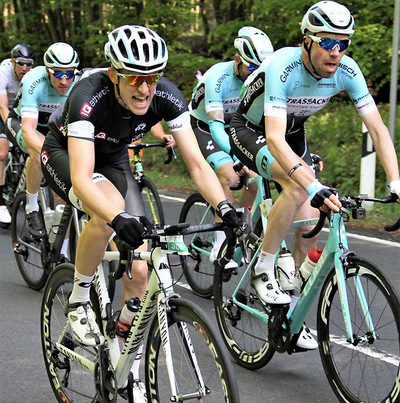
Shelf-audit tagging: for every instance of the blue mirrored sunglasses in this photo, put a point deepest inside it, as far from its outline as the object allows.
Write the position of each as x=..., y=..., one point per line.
x=252, y=67
x=60, y=74
x=329, y=43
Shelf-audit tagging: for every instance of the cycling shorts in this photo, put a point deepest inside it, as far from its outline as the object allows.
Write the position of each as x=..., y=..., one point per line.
x=2, y=130
x=56, y=170
x=211, y=151
x=249, y=145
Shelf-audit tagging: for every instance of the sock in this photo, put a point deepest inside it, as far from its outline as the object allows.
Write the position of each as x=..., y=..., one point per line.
x=2, y=201
x=64, y=248
x=31, y=202
x=265, y=264
x=136, y=363
x=81, y=290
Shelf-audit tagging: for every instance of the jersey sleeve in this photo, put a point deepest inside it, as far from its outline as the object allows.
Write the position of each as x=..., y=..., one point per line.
x=3, y=80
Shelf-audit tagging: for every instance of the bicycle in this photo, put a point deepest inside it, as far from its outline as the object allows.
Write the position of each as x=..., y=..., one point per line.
x=150, y=195
x=184, y=355
x=358, y=316
x=197, y=267
x=14, y=177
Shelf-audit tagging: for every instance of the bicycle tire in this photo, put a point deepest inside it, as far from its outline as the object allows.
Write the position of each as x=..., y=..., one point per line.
x=27, y=250
x=244, y=334
x=70, y=381
x=111, y=266
x=368, y=372
x=197, y=268
x=152, y=202
x=207, y=344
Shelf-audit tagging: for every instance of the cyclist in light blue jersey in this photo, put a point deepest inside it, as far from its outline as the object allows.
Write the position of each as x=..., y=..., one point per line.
x=42, y=90
x=214, y=101
x=279, y=98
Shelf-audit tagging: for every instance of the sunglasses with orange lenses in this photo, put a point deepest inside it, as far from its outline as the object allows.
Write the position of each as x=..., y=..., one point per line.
x=138, y=80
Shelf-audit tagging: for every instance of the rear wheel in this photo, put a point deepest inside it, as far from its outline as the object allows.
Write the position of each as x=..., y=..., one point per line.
x=367, y=369
x=189, y=331
x=27, y=250
x=197, y=268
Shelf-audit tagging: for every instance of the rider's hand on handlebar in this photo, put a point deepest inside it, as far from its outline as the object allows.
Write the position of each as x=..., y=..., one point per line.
x=323, y=197
x=394, y=187
x=130, y=229
x=169, y=140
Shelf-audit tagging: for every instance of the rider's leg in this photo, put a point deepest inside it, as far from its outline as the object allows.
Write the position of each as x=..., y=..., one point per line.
x=4, y=213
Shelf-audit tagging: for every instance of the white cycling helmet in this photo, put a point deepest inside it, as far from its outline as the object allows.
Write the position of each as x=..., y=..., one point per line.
x=61, y=55
x=328, y=16
x=137, y=49
x=253, y=45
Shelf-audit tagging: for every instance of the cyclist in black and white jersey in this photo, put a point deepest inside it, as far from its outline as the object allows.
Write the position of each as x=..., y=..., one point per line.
x=85, y=160
x=267, y=132
x=11, y=73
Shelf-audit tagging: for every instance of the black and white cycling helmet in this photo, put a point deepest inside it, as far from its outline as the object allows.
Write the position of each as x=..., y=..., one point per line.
x=23, y=51
x=329, y=17
x=253, y=45
x=61, y=55
x=137, y=49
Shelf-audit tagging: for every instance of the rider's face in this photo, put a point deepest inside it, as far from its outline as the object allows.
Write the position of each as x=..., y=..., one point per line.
x=137, y=98
x=325, y=63
x=20, y=71
x=61, y=85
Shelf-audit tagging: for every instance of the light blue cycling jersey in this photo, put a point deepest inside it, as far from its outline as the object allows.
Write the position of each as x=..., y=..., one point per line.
x=218, y=89
x=37, y=98
x=282, y=87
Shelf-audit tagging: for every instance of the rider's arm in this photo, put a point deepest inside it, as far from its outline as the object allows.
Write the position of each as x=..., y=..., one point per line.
x=217, y=129
x=81, y=157
x=158, y=132
x=4, y=111
x=383, y=143
x=275, y=128
x=32, y=139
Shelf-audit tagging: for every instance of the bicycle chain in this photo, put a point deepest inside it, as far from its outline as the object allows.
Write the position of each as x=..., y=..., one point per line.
x=279, y=328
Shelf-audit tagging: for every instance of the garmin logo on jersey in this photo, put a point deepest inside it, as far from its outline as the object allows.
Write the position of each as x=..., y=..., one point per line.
x=35, y=84
x=86, y=110
x=348, y=70
x=252, y=88
x=289, y=69
x=165, y=94
x=219, y=82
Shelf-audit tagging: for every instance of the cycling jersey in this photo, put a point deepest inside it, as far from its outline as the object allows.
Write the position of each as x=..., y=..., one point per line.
x=9, y=83
x=218, y=89
x=37, y=98
x=282, y=86
x=92, y=113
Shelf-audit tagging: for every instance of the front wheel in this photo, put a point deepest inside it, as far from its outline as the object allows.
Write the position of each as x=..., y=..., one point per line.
x=195, y=345
x=27, y=250
x=152, y=202
x=367, y=369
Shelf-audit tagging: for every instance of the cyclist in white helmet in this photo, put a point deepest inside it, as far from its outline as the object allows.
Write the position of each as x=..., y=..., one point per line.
x=42, y=90
x=297, y=83
x=11, y=73
x=85, y=160
x=214, y=101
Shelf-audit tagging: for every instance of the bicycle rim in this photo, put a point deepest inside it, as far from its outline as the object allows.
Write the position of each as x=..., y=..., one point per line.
x=368, y=369
x=152, y=202
x=197, y=268
x=70, y=381
x=27, y=250
x=244, y=334
x=214, y=363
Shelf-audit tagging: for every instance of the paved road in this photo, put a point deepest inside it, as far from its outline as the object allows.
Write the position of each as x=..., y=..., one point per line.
x=23, y=378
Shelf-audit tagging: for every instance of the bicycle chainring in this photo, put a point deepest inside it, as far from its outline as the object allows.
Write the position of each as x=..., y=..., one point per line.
x=106, y=382
x=279, y=328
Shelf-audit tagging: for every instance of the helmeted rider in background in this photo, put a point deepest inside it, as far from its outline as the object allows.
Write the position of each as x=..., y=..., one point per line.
x=214, y=101
x=11, y=73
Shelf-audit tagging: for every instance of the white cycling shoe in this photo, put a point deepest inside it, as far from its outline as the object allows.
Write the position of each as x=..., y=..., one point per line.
x=5, y=217
x=83, y=324
x=139, y=391
x=306, y=341
x=269, y=290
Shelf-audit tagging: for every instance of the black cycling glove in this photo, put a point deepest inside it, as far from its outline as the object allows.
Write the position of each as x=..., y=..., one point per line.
x=228, y=214
x=318, y=193
x=131, y=229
